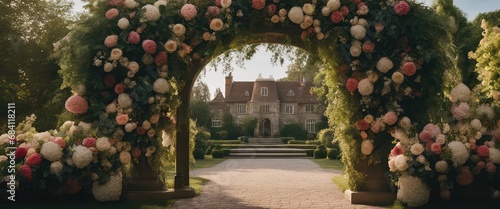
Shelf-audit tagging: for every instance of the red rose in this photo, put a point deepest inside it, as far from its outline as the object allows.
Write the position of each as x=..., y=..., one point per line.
x=351, y=85
x=71, y=185
x=34, y=160
x=119, y=88
x=109, y=81
x=337, y=17
x=149, y=46
x=271, y=9
x=25, y=171
x=409, y=69
x=136, y=153
x=344, y=10
x=368, y=46
x=401, y=8
x=258, y=4
x=363, y=125
x=436, y=148
x=161, y=58
x=483, y=151
x=89, y=142
x=21, y=152
x=134, y=37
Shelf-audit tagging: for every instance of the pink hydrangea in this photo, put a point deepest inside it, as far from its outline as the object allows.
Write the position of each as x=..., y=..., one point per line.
x=121, y=119
x=483, y=151
x=390, y=118
x=112, y=13
x=436, y=148
x=134, y=37
x=337, y=17
x=161, y=58
x=111, y=41
x=149, y=46
x=409, y=68
x=461, y=111
x=425, y=136
x=76, y=104
x=189, y=12
x=401, y=8
x=258, y=4
x=464, y=176
x=433, y=129
x=351, y=85
x=89, y=142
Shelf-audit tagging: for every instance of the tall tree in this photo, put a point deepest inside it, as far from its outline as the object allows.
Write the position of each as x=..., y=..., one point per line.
x=304, y=66
x=200, y=92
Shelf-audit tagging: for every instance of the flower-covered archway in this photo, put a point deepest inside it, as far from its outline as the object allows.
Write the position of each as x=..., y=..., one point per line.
x=132, y=63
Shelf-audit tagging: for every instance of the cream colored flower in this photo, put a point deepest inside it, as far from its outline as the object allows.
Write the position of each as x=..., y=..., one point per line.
x=358, y=31
x=116, y=54
x=417, y=149
x=123, y=23
x=325, y=11
x=384, y=64
x=398, y=77
x=366, y=147
x=275, y=19
x=179, y=29
x=333, y=4
x=216, y=24
x=296, y=15
x=308, y=8
x=170, y=46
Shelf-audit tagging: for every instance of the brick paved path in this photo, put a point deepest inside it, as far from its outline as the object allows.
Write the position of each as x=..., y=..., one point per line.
x=267, y=183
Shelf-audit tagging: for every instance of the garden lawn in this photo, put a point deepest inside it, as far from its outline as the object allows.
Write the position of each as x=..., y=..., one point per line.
x=329, y=164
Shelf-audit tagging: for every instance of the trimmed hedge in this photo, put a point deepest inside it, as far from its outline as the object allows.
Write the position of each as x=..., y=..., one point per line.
x=310, y=153
x=225, y=152
x=217, y=153
x=285, y=140
x=333, y=154
x=320, y=152
x=243, y=139
x=199, y=154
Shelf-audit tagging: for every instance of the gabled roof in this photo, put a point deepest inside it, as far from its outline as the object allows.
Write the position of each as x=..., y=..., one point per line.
x=219, y=98
x=272, y=92
x=237, y=93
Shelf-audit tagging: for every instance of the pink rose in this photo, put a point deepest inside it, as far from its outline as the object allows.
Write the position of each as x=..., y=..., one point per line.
x=121, y=119
x=34, y=160
x=464, y=176
x=119, y=88
x=25, y=171
x=112, y=13
x=390, y=118
x=375, y=128
x=379, y=27
x=271, y=9
x=60, y=141
x=149, y=46
x=337, y=17
x=481, y=164
x=490, y=167
x=111, y=41
x=21, y=152
x=351, y=85
x=189, y=12
x=409, y=68
x=344, y=10
x=136, y=153
x=161, y=58
x=436, y=148
x=401, y=8
x=258, y=4
x=356, y=1
x=368, y=46
x=483, y=151
x=134, y=37
x=76, y=104
x=425, y=136
x=89, y=142
x=217, y=3
x=362, y=125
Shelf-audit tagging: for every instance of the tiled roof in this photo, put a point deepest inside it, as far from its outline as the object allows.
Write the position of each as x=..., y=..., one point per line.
x=277, y=90
x=218, y=98
x=238, y=90
x=272, y=92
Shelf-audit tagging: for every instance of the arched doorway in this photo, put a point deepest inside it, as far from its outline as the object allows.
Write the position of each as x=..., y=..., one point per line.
x=265, y=128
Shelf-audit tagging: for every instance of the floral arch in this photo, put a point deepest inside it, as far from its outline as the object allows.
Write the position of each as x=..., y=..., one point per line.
x=131, y=65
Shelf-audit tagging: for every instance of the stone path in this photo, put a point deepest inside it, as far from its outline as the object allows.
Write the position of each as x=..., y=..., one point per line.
x=267, y=183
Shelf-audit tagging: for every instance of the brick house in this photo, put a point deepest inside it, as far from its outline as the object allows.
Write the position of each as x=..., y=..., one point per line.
x=272, y=103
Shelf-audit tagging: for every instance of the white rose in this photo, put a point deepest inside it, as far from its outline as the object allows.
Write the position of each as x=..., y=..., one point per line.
x=333, y=4
x=296, y=15
x=130, y=4
x=179, y=29
x=355, y=50
x=358, y=32
x=161, y=86
x=417, y=149
x=441, y=139
x=366, y=147
x=442, y=166
x=308, y=9
x=108, y=67
x=116, y=54
x=133, y=66
x=398, y=77
x=400, y=162
x=225, y=3
x=103, y=144
x=125, y=157
x=384, y=64
x=216, y=24
x=56, y=167
x=123, y=23
x=325, y=11
x=171, y=46
x=124, y=100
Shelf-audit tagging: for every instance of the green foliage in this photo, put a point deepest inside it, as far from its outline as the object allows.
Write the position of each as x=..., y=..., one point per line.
x=225, y=152
x=320, y=153
x=293, y=130
x=310, y=153
x=223, y=134
x=249, y=125
x=295, y=141
x=326, y=136
x=200, y=112
x=243, y=139
x=311, y=136
x=199, y=153
x=200, y=92
x=217, y=153
x=285, y=140
x=333, y=154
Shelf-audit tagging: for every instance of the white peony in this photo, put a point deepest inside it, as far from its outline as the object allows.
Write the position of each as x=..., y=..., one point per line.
x=333, y=4
x=355, y=50
x=179, y=29
x=82, y=156
x=442, y=166
x=296, y=15
x=459, y=152
x=494, y=155
x=161, y=86
x=51, y=151
x=384, y=64
x=151, y=12
x=365, y=87
x=358, y=32
x=460, y=93
x=123, y=23
x=125, y=157
x=400, y=162
x=56, y=167
x=130, y=4
x=102, y=144
x=476, y=124
x=417, y=149
x=413, y=191
x=308, y=8
x=485, y=110
x=124, y=100
x=109, y=191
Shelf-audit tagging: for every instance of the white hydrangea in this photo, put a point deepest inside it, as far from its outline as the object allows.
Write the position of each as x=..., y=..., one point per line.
x=460, y=93
x=82, y=156
x=102, y=144
x=459, y=153
x=384, y=64
x=123, y=23
x=124, y=100
x=51, y=151
x=494, y=155
x=358, y=32
x=442, y=166
x=413, y=191
x=476, y=124
x=56, y=167
x=151, y=13
x=109, y=191
x=296, y=15
x=161, y=86
x=130, y=4
x=333, y=4
x=485, y=110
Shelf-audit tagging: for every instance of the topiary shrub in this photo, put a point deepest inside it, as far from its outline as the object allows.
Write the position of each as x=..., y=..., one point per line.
x=325, y=137
x=225, y=152
x=286, y=139
x=333, y=154
x=199, y=154
x=216, y=153
x=294, y=130
x=310, y=152
x=320, y=152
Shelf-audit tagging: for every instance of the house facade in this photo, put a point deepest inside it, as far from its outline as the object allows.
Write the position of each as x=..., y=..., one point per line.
x=273, y=103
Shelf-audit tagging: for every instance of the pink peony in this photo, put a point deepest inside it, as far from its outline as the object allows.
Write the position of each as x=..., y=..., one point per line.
x=390, y=118
x=25, y=171
x=121, y=119
x=149, y=46
x=434, y=130
x=111, y=41
x=271, y=9
x=337, y=17
x=409, y=68
x=344, y=10
x=76, y=104
x=60, y=141
x=189, y=12
x=34, y=160
x=464, y=176
x=461, y=111
x=351, y=85
x=213, y=11
x=258, y=4
x=436, y=148
x=89, y=142
x=368, y=46
x=491, y=168
x=362, y=125
x=21, y=152
x=161, y=58
x=119, y=88
x=134, y=37
x=112, y=13
x=483, y=151
x=401, y=8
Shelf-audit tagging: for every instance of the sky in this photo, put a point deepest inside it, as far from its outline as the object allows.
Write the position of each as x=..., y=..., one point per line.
x=261, y=62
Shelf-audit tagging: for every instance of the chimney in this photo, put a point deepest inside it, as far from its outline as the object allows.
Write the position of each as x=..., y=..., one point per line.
x=229, y=82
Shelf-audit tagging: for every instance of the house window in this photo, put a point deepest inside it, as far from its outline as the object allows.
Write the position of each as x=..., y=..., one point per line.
x=264, y=108
x=288, y=109
x=216, y=122
x=247, y=94
x=311, y=125
x=309, y=108
x=290, y=93
x=263, y=91
x=241, y=109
